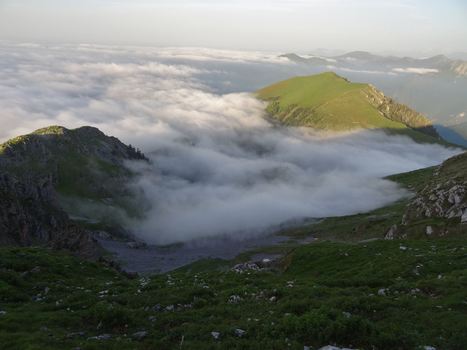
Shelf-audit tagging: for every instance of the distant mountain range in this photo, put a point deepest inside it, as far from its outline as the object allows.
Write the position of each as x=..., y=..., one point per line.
x=329, y=102
x=366, y=61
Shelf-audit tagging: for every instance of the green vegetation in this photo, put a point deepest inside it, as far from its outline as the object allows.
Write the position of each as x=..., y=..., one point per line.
x=383, y=295
x=413, y=180
x=329, y=102
x=86, y=165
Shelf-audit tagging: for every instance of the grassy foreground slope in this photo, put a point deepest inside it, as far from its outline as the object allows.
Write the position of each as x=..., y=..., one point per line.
x=327, y=101
x=378, y=295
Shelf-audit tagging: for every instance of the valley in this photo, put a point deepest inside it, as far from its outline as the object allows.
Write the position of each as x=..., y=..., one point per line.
x=340, y=280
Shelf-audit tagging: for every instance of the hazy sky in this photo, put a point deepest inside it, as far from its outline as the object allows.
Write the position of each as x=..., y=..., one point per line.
x=405, y=26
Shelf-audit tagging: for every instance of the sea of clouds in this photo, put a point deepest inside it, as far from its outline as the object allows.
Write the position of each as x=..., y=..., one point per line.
x=219, y=167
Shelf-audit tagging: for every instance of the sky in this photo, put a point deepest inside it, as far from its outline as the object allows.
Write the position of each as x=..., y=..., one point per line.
x=389, y=26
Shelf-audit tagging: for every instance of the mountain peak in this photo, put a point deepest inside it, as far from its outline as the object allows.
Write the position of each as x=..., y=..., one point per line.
x=51, y=130
x=358, y=55
x=54, y=172
x=330, y=102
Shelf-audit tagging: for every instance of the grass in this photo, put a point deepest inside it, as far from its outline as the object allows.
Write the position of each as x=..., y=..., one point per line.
x=327, y=101
x=368, y=295
x=373, y=295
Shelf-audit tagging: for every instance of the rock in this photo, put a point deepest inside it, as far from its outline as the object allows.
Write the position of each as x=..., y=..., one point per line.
x=244, y=267
x=170, y=308
x=331, y=347
x=215, y=335
x=306, y=347
x=152, y=318
x=136, y=245
x=273, y=299
x=75, y=335
x=464, y=216
x=101, y=337
x=2, y=312
x=427, y=347
x=102, y=235
x=429, y=230
x=391, y=233
x=234, y=299
x=239, y=332
x=403, y=248
x=382, y=291
x=139, y=335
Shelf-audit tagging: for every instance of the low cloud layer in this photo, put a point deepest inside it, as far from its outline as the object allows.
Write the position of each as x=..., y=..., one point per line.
x=218, y=166
x=416, y=70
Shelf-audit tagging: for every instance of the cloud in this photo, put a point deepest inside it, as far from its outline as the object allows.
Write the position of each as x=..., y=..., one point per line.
x=207, y=54
x=415, y=70
x=362, y=71
x=218, y=166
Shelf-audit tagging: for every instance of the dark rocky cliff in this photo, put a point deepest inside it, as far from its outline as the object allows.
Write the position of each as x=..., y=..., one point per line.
x=39, y=169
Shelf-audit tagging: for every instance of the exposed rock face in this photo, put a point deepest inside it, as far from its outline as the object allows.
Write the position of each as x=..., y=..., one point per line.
x=34, y=167
x=29, y=215
x=440, y=208
x=399, y=112
x=459, y=67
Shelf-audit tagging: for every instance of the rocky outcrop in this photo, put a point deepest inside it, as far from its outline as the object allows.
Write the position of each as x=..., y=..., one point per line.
x=459, y=68
x=34, y=169
x=399, y=112
x=29, y=215
x=440, y=208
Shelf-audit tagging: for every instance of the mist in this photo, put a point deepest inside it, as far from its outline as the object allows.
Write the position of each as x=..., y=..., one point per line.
x=218, y=165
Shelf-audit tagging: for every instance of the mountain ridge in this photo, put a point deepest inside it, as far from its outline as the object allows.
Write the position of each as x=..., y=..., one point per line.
x=328, y=101
x=438, y=64
x=46, y=172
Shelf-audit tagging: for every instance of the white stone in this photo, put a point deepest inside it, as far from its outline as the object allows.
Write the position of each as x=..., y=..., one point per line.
x=215, y=335
x=240, y=332
x=464, y=216
x=429, y=230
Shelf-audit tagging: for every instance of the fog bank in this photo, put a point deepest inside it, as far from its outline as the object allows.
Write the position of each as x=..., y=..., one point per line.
x=218, y=166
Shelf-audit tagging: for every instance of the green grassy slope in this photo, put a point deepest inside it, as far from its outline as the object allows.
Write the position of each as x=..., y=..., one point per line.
x=378, y=295
x=327, y=101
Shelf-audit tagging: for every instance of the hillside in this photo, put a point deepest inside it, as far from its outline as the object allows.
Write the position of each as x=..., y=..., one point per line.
x=327, y=101
x=346, y=294
x=54, y=174
x=376, y=295
x=439, y=208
